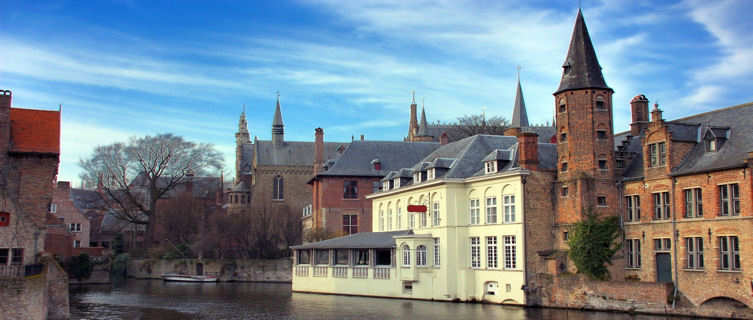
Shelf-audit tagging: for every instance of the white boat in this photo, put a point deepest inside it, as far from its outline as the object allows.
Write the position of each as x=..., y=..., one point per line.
x=188, y=278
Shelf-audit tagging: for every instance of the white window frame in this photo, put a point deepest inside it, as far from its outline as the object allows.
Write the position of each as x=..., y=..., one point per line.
x=491, y=210
x=411, y=220
x=491, y=166
x=474, y=209
x=421, y=256
x=389, y=219
x=633, y=253
x=406, y=255
x=399, y=217
x=492, y=258
x=53, y=208
x=77, y=243
x=511, y=252
x=396, y=183
x=381, y=219
x=694, y=253
x=436, y=252
x=508, y=202
x=729, y=204
x=430, y=174
x=475, y=243
x=435, y=217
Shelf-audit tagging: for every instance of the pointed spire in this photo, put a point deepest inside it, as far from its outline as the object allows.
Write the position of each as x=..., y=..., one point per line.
x=413, y=93
x=581, y=69
x=519, y=114
x=422, y=127
x=277, y=126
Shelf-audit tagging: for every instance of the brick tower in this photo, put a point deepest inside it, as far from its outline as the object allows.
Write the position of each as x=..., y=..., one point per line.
x=585, y=146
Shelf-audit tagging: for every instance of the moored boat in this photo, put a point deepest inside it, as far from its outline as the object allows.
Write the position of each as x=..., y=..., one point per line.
x=188, y=278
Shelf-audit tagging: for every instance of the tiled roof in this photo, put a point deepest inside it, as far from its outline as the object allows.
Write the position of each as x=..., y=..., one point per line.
x=34, y=131
x=363, y=240
x=392, y=155
x=289, y=153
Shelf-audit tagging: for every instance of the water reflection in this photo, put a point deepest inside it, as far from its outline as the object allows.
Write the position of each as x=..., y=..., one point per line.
x=154, y=299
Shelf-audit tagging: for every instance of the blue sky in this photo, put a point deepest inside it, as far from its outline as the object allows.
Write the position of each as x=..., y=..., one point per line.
x=125, y=68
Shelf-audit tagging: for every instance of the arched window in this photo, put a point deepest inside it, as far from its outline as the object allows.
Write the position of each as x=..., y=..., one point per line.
x=399, y=217
x=563, y=105
x=381, y=219
x=389, y=218
x=406, y=255
x=563, y=135
x=277, y=188
x=421, y=255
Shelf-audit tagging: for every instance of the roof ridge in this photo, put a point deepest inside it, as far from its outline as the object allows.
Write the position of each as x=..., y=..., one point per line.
x=739, y=106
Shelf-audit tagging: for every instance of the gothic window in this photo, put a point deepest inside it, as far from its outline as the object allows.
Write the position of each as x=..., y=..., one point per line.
x=277, y=188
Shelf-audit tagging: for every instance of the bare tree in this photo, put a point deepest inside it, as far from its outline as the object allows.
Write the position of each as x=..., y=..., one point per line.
x=134, y=175
x=469, y=125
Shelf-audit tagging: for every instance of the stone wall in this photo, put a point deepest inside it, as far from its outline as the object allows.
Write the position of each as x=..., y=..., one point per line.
x=43, y=296
x=578, y=292
x=227, y=270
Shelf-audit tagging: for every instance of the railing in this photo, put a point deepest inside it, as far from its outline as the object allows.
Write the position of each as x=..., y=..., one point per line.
x=320, y=271
x=360, y=272
x=301, y=271
x=340, y=272
x=382, y=273
x=11, y=271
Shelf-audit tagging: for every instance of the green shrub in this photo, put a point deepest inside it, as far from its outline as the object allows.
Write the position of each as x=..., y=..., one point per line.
x=593, y=243
x=79, y=267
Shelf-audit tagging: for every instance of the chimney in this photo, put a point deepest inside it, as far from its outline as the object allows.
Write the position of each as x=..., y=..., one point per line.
x=528, y=150
x=64, y=186
x=639, y=108
x=318, y=149
x=656, y=116
x=5, y=101
x=513, y=132
x=443, y=138
x=362, y=137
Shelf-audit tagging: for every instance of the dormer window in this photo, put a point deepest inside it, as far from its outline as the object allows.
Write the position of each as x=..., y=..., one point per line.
x=385, y=186
x=711, y=145
x=490, y=167
x=397, y=182
x=657, y=154
x=430, y=174
x=417, y=177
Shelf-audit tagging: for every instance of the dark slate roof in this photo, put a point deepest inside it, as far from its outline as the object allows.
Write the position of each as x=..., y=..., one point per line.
x=581, y=69
x=519, y=114
x=289, y=153
x=277, y=121
x=363, y=240
x=498, y=154
x=393, y=155
x=87, y=199
x=470, y=152
x=545, y=132
x=735, y=149
x=732, y=123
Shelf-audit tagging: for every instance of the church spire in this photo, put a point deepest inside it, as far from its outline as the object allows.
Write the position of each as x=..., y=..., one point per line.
x=242, y=136
x=278, y=133
x=519, y=114
x=423, y=126
x=581, y=69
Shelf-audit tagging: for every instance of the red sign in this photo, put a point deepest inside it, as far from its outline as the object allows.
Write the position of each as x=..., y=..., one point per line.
x=416, y=208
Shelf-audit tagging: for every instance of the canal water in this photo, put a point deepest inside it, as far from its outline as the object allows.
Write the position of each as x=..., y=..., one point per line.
x=154, y=299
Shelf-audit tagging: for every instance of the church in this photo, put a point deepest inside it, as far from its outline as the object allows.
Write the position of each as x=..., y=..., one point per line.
x=271, y=175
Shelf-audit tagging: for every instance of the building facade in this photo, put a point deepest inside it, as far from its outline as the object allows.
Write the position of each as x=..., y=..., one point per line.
x=340, y=185
x=29, y=157
x=63, y=207
x=272, y=175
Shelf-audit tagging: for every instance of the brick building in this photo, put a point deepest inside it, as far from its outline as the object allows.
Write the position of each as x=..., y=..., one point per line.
x=272, y=175
x=340, y=186
x=29, y=157
x=63, y=207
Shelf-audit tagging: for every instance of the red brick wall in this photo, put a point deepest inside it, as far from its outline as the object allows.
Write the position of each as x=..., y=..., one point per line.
x=69, y=213
x=58, y=244
x=577, y=292
x=330, y=205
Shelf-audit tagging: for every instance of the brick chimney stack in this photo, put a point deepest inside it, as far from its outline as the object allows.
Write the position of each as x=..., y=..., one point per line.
x=318, y=149
x=639, y=108
x=656, y=116
x=443, y=139
x=5, y=101
x=528, y=150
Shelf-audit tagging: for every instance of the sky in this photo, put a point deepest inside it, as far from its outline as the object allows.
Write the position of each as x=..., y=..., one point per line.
x=132, y=68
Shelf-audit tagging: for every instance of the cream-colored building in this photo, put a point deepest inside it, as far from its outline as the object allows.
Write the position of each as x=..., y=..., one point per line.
x=450, y=228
